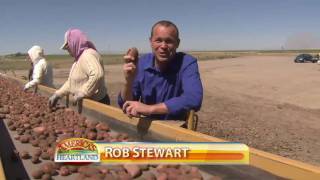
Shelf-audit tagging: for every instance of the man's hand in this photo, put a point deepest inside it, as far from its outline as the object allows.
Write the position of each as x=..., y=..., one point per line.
x=129, y=71
x=78, y=96
x=136, y=109
x=53, y=100
x=130, y=66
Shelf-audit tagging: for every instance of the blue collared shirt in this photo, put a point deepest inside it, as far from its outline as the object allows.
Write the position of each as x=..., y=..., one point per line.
x=179, y=87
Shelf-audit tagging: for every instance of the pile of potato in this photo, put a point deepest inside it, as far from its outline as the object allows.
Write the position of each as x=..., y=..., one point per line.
x=28, y=114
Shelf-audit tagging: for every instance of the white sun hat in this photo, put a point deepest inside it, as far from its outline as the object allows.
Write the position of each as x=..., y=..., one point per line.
x=64, y=45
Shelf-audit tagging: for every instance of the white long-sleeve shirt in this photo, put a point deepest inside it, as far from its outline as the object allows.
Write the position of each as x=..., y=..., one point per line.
x=42, y=74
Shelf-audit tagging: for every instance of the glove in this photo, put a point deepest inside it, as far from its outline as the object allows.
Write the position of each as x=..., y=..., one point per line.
x=78, y=96
x=25, y=88
x=53, y=100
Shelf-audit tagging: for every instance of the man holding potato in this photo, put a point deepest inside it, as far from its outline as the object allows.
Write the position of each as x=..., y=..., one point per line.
x=164, y=84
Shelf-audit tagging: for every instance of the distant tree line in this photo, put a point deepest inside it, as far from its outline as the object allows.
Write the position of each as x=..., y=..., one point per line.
x=18, y=54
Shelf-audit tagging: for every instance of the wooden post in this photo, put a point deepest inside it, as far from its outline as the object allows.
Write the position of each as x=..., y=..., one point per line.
x=190, y=120
x=35, y=90
x=79, y=106
x=67, y=100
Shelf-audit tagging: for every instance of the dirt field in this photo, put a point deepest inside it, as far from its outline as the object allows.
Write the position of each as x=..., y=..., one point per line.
x=267, y=102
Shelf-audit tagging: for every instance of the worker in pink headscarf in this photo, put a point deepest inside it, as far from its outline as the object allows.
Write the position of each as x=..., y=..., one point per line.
x=86, y=78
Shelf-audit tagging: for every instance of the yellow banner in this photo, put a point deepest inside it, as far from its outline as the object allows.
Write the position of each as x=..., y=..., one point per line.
x=173, y=153
x=85, y=151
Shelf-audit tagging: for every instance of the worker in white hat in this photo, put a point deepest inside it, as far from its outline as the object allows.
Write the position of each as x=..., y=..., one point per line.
x=42, y=71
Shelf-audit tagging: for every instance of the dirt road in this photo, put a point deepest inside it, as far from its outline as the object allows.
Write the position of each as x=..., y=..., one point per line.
x=267, y=102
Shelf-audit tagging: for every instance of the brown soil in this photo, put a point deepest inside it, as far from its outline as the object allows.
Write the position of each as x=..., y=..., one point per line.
x=267, y=102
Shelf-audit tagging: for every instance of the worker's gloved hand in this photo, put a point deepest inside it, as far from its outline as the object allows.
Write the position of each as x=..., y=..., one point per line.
x=53, y=100
x=77, y=97
x=26, y=87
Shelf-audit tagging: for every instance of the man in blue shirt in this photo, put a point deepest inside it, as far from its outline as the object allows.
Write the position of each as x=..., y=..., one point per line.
x=164, y=84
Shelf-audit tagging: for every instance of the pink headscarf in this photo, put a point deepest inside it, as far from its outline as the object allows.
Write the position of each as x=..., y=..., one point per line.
x=78, y=42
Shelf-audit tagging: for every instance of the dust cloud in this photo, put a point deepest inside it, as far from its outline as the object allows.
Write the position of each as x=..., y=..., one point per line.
x=304, y=40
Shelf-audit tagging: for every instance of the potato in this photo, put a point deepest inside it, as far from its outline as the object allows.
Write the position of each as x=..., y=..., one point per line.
x=58, y=130
x=161, y=168
x=173, y=165
x=26, y=126
x=114, y=140
x=35, y=160
x=149, y=176
x=100, y=136
x=114, y=134
x=194, y=170
x=195, y=175
x=45, y=156
x=37, y=152
x=48, y=168
x=123, y=136
x=133, y=170
x=50, y=151
x=73, y=169
x=90, y=171
x=103, y=169
x=5, y=110
x=24, y=139
x=12, y=127
x=35, y=143
x=162, y=176
x=20, y=131
x=43, y=144
x=16, y=137
x=64, y=171
x=173, y=173
x=123, y=175
x=102, y=127
x=68, y=110
x=144, y=167
x=110, y=176
x=46, y=177
x=134, y=53
x=9, y=123
x=24, y=155
x=37, y=174
x=215, y=178
x=51, y=140
x=91, y=123
x=116, y=168
x=57, y=166
x=106, y=139
x=81, y=177
x=39, y=130
x=92, y=135
x=82, y=169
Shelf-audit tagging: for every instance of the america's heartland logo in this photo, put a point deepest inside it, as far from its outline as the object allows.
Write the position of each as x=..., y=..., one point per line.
x=76, y=150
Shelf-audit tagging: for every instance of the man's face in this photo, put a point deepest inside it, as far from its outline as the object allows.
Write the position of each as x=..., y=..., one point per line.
x=164, y=43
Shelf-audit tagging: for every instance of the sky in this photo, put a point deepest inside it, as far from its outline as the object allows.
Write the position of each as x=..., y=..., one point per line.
x=114, y=26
